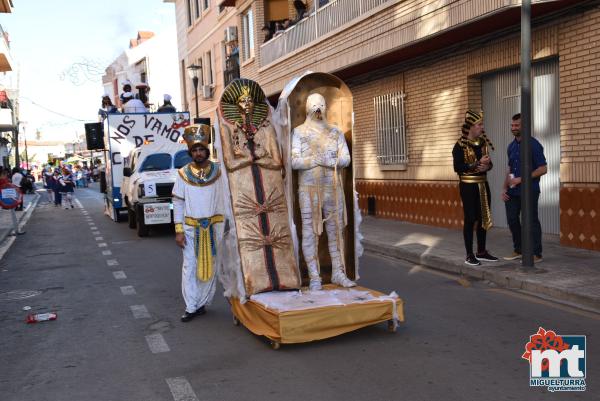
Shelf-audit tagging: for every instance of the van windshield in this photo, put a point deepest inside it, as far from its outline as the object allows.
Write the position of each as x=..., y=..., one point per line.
x=181, y=159
x=156, y=162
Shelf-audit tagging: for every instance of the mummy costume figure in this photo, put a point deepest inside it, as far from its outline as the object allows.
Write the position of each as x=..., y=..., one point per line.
x=319, y=152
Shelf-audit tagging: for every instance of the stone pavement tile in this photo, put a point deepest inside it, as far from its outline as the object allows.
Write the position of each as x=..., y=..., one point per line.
x=570, y=274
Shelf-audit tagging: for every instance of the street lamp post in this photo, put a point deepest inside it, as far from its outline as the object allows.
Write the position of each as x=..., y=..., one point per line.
x=193, y=74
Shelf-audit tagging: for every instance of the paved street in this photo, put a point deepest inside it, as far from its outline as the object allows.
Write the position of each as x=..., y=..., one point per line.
x=118, y=334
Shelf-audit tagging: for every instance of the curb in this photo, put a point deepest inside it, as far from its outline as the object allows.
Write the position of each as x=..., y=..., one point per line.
x=509, y=279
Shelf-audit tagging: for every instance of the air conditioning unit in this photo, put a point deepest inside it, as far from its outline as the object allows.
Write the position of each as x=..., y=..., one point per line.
x=207, y=91
x=230, y=34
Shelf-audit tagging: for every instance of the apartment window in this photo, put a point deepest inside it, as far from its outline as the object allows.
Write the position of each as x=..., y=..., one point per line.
x=184, y=76
x=248, y=34
x=390, y=129
x=189, y=12
x=209, y=69
x=200, y=73
x=205, y=4
x=197, y=8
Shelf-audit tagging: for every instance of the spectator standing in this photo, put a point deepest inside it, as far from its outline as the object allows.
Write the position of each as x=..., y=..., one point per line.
x=471, y=163
x=56, y=178
x=16, y=179
x=67, y=183
x=266, y=30
x=48, y=181
x=300, y=7
x=4, y=174
x=511, y=191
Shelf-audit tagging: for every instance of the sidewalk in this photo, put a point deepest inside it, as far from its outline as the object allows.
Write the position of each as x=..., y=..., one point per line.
x=6, y=223
x=570, y=275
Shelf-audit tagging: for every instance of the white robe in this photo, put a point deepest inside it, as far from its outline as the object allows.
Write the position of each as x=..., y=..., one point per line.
x=197, y=202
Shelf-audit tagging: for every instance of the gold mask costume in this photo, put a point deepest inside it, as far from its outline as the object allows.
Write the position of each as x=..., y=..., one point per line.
x=254, y=168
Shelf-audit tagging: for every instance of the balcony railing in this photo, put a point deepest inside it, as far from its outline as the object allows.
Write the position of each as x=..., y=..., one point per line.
x=327, y=19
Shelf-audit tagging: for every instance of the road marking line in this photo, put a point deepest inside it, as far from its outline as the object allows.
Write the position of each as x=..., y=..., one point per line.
x=112, y=262
x=106, y=253
x=99, y=238
x=93, y=228
x=181, y=389
x=102, y=245
x=95, y=232
x=157, y=343
x=128, y=290
x=139, y=311
x=119, y=275
x=91, y=223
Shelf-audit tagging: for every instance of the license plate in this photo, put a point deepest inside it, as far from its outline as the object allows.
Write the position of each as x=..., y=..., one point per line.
x=157, y=213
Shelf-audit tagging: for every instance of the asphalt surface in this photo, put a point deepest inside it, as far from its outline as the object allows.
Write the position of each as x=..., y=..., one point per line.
x=461, y=340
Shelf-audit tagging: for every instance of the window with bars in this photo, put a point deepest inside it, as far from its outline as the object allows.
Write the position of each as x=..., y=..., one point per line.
x=390, y=129
x=248, y=34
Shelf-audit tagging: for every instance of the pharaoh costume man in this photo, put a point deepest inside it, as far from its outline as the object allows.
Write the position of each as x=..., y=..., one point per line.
x=252, y=158
x=319, y=152
x=474, y=189
x=198, y=214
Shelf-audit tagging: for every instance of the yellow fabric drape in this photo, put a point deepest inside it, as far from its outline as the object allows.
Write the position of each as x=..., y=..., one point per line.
x=204, y=244
x=314, y=324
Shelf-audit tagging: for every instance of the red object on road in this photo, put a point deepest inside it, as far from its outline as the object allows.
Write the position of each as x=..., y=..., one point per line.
x=41, y=317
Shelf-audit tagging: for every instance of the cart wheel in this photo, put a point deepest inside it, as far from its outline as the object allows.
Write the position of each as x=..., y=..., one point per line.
x=275, y=345
x=391, y=327
x=236, y=322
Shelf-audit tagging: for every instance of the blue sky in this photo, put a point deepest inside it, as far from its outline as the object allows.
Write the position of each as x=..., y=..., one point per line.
x=49, y=37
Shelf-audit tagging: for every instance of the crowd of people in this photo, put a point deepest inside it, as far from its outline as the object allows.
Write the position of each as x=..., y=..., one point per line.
x=276, y=28
x=133, y=103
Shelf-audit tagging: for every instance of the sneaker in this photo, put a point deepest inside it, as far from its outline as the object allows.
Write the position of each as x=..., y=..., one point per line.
x=513, y=256
x=472, y=260
x=486, y=256
x=537, y=258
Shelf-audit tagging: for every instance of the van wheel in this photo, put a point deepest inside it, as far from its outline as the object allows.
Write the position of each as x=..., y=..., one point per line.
x=142, y=228
x=131, y=218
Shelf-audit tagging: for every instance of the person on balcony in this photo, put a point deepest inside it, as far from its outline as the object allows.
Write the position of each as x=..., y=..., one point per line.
x=266, y=30
x=300, y=7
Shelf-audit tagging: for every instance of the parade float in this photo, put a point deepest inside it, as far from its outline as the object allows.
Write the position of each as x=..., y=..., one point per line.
x=290, y=256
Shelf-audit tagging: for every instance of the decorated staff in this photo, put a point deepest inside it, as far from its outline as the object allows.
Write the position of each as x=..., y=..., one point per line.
x=471, y=163
x=199, y=222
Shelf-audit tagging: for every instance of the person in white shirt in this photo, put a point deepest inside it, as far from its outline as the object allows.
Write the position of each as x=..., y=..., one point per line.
x=133, y=105
x=16, y=180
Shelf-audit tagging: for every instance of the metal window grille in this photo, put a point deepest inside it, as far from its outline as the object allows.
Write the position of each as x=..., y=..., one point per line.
x=390, y=128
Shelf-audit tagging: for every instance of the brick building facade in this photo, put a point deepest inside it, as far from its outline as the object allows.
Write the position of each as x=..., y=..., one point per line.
x=441, y=55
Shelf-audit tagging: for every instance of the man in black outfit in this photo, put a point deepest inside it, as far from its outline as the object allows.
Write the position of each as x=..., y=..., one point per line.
x=471, y=162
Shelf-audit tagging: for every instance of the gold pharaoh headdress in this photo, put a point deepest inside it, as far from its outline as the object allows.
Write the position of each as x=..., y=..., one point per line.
x=197, y=134
x=237, y=89
x=472, y=118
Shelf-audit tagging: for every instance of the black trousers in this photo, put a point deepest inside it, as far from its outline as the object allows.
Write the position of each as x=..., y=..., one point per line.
x=469, y=193
x=513, y=217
